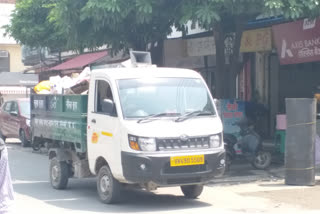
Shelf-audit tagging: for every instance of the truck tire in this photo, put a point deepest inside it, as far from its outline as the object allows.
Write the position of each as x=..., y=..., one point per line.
x=23, y=139
x=228, y=162
x=59, y=173
x=109, y=189
x=192, y=191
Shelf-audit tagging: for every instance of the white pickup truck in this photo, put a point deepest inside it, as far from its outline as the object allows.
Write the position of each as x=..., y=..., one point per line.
x=148, y=127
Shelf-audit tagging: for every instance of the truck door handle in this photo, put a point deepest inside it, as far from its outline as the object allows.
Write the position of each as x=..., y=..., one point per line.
x=93, y=121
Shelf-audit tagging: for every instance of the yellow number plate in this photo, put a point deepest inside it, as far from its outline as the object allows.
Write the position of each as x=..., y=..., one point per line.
x=187, y=160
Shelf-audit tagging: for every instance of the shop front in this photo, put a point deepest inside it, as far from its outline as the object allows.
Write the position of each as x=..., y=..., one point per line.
x=298, y=47
x=254, y=79
x=298, y=52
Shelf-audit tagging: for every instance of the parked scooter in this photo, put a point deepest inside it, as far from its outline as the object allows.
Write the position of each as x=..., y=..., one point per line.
x=247, y=146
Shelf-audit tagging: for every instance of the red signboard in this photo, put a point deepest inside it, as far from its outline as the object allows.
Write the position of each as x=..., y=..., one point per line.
x=298, y=42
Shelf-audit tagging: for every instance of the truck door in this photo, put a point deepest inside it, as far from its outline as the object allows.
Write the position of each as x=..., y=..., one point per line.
x=102, y=137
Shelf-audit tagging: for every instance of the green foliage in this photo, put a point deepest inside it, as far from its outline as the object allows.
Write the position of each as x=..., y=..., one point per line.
x=119, y=23
x=30, y=26
x=76, y=24
x=208, y=12
x=293, y=9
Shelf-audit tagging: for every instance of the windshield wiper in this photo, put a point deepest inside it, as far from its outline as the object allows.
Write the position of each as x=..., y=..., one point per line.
x=192, y=114
x=155, y=116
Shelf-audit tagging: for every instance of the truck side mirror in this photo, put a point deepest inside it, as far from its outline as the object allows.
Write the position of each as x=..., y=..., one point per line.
x=107, y=106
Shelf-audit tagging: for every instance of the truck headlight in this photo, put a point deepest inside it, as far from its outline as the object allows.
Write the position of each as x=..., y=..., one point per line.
x=215, y=141
x=142, y=143
x=147, y=144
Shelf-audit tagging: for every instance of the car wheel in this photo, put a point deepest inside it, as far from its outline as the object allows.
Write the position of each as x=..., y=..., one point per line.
x=23, y=139
x=3, y=137
x=192, y=191
x=59, y=173
x=109, y=189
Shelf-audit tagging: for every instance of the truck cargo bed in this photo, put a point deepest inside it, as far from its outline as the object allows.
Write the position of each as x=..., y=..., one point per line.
x=60, y=118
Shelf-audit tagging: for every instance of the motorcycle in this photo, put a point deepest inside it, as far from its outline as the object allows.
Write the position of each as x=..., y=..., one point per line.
x=247, y=146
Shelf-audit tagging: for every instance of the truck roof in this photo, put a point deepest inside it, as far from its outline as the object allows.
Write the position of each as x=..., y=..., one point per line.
x=149, y=72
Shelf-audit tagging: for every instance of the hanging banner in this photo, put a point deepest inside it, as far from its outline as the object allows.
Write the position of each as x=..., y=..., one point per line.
x=298, y=42
x=256, y=40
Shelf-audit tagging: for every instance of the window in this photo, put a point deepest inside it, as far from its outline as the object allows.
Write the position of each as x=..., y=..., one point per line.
x=140, y=98
x=7, y=107
x=14, y=107
x=4, y=61
x=25, y=108
x=103, y=91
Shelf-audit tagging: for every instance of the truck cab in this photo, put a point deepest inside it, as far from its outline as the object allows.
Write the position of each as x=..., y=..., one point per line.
x=154, y=127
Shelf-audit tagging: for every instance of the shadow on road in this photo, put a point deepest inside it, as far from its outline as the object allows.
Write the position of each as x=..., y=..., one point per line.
x=31, y=179
x=317, y=183
x=81, y=195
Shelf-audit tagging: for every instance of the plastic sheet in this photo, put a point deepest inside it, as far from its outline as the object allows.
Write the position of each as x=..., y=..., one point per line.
x=43, y=87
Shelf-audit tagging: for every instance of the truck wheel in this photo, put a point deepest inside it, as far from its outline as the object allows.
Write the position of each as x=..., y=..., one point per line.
x=192, y=191
x=108, y=187
x=23, y=139
x=228, y=162
x=59, y=173
x=36, y=145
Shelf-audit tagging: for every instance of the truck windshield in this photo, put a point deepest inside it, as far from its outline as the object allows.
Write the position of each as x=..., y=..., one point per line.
x=173, y=97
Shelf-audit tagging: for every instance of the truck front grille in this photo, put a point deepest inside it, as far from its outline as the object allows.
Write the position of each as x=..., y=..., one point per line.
x=169, y=144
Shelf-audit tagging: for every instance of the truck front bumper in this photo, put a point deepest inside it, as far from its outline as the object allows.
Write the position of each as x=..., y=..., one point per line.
x=143, y=169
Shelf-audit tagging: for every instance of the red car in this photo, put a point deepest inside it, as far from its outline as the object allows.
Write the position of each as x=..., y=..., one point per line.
x=15, y=120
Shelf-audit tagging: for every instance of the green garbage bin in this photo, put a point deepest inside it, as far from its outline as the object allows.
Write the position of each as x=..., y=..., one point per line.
x=280, y=139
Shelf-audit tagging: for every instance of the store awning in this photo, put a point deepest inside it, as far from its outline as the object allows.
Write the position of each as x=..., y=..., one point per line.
x=79, y=62
x=18, y=79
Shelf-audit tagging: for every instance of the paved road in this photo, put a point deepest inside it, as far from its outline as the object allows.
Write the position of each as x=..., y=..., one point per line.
x=35, y=195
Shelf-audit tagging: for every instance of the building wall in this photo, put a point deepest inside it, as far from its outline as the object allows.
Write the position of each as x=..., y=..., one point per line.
x=8, y=1
x=175, y=54
x=8, y=43
x=14, y=50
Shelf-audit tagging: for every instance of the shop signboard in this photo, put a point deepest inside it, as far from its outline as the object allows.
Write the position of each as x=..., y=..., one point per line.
x=258, y=40
x=201, y=46
x=298, y=42
x=231, y=111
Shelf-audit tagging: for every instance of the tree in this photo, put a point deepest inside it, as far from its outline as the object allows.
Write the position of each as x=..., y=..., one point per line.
x=122, y=24
x=137, y=24
x=230, y=16
x=30, y=26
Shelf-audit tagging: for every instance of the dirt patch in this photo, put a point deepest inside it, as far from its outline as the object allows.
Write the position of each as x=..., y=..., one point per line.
x=305, y=197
